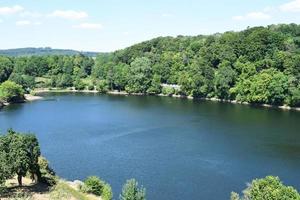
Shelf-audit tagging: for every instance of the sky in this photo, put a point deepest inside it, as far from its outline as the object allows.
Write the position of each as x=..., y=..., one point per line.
x=108, y=25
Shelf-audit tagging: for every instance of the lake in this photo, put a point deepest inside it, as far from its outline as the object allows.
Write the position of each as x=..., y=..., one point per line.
x=178, y=149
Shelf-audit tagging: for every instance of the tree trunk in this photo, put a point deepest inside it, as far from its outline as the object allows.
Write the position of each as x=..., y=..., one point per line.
x=20, y=180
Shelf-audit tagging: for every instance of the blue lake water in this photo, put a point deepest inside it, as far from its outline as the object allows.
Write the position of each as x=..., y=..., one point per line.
x=176, y=148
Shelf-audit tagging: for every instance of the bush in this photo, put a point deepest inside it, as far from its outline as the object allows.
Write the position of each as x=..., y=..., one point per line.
x=47, y=173
x=131, y=191
x=93, y=185
x=270, y=188
x=91, y=87
x=102, y=86
x=107, y=192
x=79, y=85
x=11, y=92
x=168, y=91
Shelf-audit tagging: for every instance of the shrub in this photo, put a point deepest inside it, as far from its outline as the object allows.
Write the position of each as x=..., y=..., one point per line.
x=131, y=191
x=107, y=192
x=102, y=86
x=47, y=173
x=93, y=185
x=168, y=91
x=91, y=87
x=79, y=85
x=270, y=188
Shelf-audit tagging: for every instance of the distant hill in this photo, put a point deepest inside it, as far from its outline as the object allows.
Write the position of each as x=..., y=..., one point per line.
x=44, y=51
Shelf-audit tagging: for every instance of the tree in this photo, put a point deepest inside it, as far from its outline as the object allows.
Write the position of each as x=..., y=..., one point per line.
x=102, y=86
x=20, y=153
x=224, y=80
x=155, y=87
x=139, y=76
x=270, y=188
x=11, y=92
x=132, y=191
x=79, y=84
x=6, y=68
x=26, y=81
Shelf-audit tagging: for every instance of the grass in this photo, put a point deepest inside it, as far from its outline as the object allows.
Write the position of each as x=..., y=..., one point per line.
x=62, y=191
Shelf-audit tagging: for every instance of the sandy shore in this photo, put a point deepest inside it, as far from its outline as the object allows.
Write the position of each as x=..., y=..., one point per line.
x=29, y=97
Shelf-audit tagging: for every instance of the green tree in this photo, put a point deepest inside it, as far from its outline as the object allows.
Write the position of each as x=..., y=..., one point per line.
x=6, y=68
x=21, y=153
x=79, y=84
x=102, y=86
x=270, y=188
x=11, y=92
x=155, y=87
x=139, y=76
x=224, y=80
x=132, y=191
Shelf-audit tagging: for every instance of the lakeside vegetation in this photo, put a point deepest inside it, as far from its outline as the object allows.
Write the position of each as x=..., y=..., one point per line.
x=259, y=65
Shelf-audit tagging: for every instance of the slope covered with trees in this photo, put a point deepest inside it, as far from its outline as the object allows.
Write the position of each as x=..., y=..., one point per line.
x=259, y=65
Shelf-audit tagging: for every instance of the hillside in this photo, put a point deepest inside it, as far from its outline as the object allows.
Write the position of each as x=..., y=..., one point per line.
x=44, y=52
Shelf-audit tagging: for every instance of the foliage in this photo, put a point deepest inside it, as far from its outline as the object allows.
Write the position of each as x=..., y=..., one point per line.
x=258, y=65
x=102, y=86
x=93, y=185
x=6, y=68
x=46, y=172
x=11, y=92
x=79, y=84
x=107, y=193
x=167, y=90
x=19, y=153
x=270, y=188
x=132, y=191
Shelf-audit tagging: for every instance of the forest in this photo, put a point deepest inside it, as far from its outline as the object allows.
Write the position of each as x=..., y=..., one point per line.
x=259, y=65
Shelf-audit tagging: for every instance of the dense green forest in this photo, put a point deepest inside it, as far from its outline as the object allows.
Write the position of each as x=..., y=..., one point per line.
x=44, y=52
x=258, y=65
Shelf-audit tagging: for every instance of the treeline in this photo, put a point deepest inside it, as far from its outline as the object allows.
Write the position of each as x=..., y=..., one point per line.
x=57, y=71
x=258, y=65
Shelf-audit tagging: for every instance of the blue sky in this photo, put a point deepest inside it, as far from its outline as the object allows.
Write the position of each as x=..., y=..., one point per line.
x=99, y=25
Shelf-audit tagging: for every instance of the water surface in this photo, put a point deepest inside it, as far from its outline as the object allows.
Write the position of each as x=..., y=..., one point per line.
x=178, y=149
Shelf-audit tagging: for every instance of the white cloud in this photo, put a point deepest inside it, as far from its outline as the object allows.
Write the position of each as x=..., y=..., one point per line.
x=293, y=6
x=69, y=14
x=88, y=26
x=11, y=10
x=23, y=23
x=253, y=16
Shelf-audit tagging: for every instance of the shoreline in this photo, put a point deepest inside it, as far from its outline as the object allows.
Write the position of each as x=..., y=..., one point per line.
x=283, y=107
